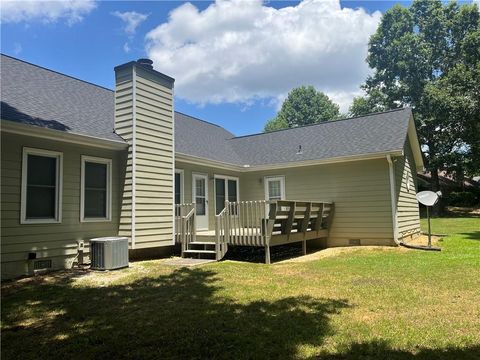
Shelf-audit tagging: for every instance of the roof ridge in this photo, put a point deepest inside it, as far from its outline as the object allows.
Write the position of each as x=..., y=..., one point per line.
x=56, y=72
x=324, y=122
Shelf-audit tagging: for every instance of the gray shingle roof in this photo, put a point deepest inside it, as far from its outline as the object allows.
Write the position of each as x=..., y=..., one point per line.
x=375, y=133
x=37, y=96
x=202, y=139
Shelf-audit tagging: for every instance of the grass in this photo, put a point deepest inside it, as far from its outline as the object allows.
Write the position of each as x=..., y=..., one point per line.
x=372, y=303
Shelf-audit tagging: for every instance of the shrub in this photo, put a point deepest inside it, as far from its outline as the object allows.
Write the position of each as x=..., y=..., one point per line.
x=462, y=198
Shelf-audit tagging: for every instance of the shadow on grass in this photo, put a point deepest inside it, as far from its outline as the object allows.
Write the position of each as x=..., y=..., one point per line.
x=179, y=315
x=380, y=350
x=472, y=235
x=257, y=254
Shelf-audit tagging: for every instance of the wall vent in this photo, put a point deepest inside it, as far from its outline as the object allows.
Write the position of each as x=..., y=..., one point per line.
x=354, y=242
x=42, y=264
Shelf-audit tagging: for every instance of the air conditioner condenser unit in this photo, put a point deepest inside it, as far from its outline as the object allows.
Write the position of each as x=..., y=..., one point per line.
x=109, y=253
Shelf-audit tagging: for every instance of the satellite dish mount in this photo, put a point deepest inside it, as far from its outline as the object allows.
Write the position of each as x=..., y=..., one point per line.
x=428, y=198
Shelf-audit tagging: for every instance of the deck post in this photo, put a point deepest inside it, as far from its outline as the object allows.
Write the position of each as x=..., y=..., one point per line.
x=267, y=254
x=304, y=247
x=182, y=236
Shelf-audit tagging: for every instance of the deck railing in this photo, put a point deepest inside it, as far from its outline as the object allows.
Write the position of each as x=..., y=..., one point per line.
x=247, y=222
x=185, y=231
x=222, y=233
x=287, y=221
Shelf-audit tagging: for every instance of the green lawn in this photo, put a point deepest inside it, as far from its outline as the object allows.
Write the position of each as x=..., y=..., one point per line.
x=387, y=304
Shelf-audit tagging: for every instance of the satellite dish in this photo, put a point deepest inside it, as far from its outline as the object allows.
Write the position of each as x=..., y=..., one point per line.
x=428, y=198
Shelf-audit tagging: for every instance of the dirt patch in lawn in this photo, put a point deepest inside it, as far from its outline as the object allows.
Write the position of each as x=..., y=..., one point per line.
x=81, y=274
x=336, y=251
x=423, y=240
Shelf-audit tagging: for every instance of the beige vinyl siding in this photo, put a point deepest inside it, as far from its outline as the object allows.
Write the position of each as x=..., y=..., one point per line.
x=53, y=241
x=408, y=218
x=123, y=127
x=154, y=161
x=360, y=190
x=188, y=170
x=152, y=131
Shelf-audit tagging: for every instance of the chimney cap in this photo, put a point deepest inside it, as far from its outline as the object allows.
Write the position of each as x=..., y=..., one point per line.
x=146, y=63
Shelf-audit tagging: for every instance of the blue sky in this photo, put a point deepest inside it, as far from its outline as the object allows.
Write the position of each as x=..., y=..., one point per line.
x=87, y=43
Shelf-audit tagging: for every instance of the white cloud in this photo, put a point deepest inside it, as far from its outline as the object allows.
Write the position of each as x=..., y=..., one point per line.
x=238, y=51
x=17, y=48
x=126, y=47
x=71, y=11
x=132, y=20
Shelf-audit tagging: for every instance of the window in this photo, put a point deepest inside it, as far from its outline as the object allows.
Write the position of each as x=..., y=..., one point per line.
x=178, y=186
x=41, y=186
x=226, y=188
x=275, y=188
x=96, y=189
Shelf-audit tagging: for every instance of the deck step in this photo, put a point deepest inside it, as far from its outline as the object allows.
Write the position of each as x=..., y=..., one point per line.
x=201, y=243
x=190, y=251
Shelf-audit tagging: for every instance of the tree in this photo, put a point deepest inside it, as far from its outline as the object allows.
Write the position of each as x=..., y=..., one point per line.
x=427, y=57
x=277, y=123
x=363, y=105
x=303, y=106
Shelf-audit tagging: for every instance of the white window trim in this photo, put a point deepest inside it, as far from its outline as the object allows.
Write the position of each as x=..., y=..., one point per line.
x=58, y=186
x=182, y=186
x=224, y=177
x=275, y=178
x=97, y=160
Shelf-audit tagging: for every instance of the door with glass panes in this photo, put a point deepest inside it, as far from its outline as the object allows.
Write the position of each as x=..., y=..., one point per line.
x=200, y=199
x=226, y=188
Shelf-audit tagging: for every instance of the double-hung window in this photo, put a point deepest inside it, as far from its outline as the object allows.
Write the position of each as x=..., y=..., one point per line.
x=41, y=199
x=274, y=189
x=226, y=188
x=96, y=189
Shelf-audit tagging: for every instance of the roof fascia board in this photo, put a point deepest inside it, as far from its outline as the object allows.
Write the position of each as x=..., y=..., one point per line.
x=335, y=160
x=415, y=144
x=221, y=165
x=51, y=134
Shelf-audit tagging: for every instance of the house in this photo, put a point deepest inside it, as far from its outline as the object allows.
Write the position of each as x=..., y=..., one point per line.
x=80, y=161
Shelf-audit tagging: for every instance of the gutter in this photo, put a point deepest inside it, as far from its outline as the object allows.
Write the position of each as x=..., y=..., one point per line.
x=391, y=173
x=292, y=164
x=12, y=127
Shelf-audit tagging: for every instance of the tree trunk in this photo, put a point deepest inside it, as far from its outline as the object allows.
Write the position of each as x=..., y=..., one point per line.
x=439, y=208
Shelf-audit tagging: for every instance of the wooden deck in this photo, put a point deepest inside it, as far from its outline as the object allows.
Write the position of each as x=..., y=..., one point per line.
x=246, y=223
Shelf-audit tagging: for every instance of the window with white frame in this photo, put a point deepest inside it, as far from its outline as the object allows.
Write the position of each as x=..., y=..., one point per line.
x=96, y=189
x=275, y=188
x=226, y=188
x=41, y=200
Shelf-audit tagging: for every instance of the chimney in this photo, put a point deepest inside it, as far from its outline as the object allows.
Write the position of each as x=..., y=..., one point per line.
x=144, y=118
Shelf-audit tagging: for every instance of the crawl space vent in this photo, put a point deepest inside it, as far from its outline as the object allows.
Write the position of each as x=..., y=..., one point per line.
x=42, y=264
x=354, y=242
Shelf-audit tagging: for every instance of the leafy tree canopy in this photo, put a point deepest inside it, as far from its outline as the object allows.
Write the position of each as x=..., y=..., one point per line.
x=427, y=56
x=303, y=106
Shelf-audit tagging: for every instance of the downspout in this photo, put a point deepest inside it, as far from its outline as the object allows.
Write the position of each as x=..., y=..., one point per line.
x=134, y=150
x=391, y=173
x=173, y=166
